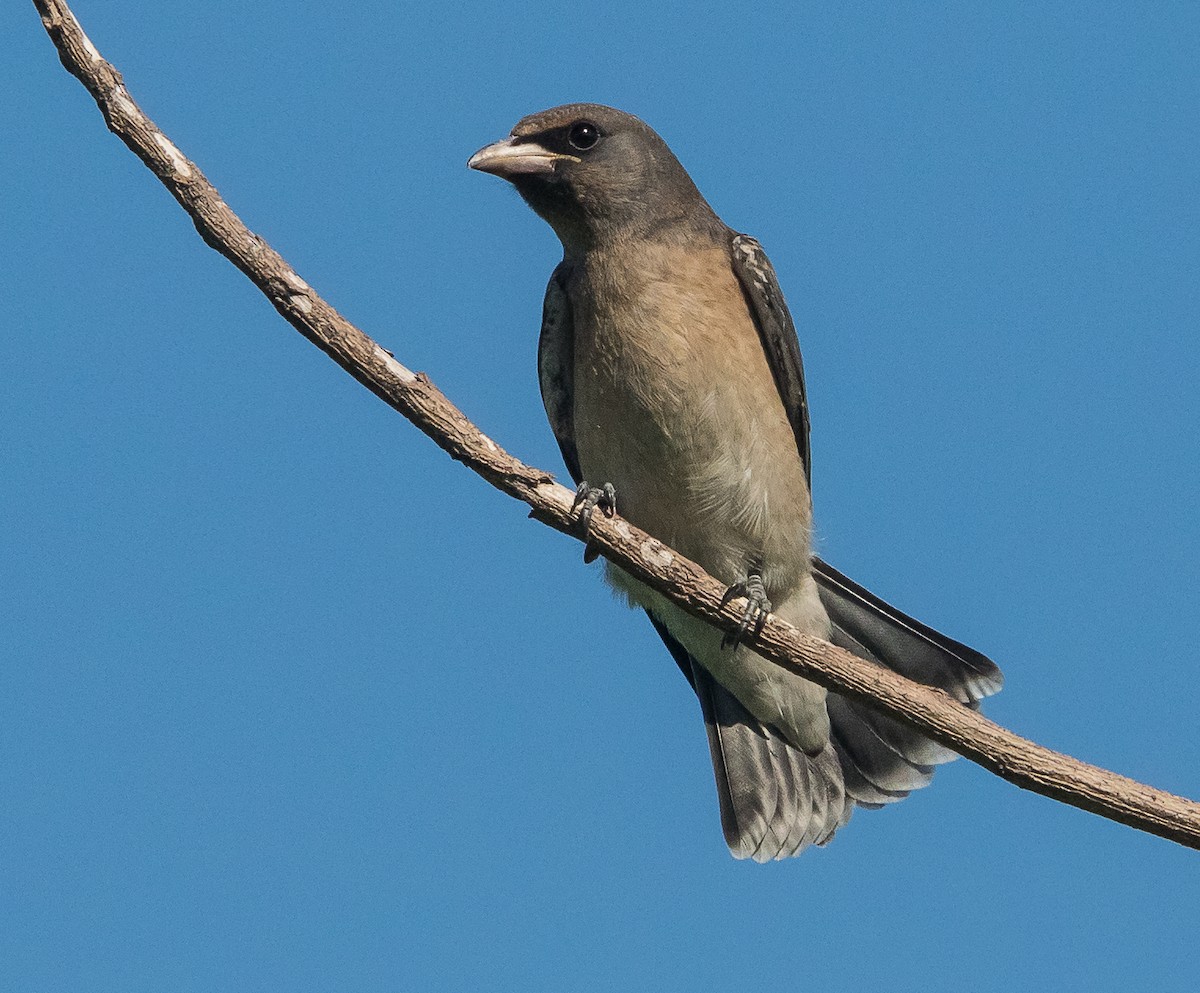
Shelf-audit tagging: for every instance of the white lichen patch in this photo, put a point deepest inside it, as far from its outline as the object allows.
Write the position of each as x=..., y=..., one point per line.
x=178, y=162
x=394, y=367
x=656, y=553
x=93, y=52
x=295, y=282
x=123, y=104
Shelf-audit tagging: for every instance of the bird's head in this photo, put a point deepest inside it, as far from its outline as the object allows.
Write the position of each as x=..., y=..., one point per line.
x=595, y=173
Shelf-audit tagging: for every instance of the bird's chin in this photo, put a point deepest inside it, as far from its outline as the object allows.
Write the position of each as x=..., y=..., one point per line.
x=509, y=158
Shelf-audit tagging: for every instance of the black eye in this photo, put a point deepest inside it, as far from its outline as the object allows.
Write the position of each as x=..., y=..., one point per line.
x=583, y=135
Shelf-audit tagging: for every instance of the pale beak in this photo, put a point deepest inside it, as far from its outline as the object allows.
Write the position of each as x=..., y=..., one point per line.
x=511, y=158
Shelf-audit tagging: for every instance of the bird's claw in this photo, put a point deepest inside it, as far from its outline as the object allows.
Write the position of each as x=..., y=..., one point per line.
x=589, y=498
x=755, y=614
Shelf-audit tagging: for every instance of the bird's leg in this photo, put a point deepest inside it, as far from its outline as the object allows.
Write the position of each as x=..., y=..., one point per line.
x=588, y=498
x=757, y=607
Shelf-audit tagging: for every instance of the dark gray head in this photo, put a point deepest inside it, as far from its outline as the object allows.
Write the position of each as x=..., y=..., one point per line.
x=595, y=173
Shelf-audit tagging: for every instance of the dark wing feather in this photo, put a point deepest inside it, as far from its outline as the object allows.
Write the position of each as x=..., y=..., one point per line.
x=556, y=367
x=875, y=630
x=882, y=760
x=777, y=333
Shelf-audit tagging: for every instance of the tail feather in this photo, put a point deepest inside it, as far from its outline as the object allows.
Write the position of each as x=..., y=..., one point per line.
x=775, y=799
x=883, y=759
x=896, y=641
x=884, y=767
x=863, y=792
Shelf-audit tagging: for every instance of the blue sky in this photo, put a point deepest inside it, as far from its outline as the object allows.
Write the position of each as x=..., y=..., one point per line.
x=291, y=701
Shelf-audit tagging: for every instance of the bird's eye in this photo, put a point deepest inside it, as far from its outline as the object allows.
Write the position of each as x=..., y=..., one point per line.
x=583, y=135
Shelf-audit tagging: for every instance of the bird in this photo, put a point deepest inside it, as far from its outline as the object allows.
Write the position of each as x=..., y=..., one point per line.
x=671, y=374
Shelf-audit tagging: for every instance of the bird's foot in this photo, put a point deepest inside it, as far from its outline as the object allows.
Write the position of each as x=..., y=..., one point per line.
x=587, y=499
x=755, y=614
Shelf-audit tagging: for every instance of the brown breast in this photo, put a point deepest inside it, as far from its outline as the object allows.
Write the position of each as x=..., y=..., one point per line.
x=676, y=406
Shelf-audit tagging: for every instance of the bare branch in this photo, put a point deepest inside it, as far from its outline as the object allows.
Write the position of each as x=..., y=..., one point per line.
x=933, y=712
